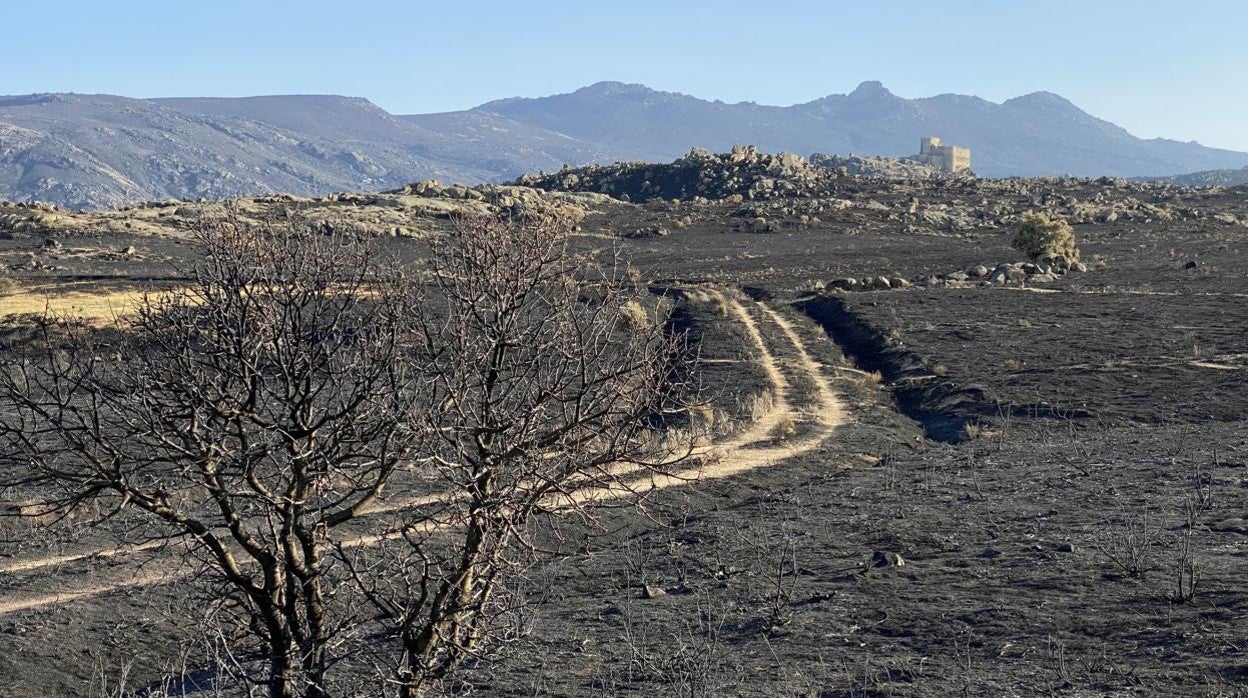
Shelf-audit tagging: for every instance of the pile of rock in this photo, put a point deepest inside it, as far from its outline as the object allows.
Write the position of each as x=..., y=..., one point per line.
x=1045, y=269
x=743, y=173
x=868, y=283
x=879, y=167
x=35, y=218
x=435, y=199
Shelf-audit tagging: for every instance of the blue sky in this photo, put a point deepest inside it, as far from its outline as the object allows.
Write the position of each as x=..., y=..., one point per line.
x=1173, y=69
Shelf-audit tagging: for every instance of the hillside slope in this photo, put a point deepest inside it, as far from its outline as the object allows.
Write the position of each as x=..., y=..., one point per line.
x=101, y=151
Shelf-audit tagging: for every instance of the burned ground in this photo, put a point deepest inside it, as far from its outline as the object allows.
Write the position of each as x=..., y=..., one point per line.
x=1013, y=436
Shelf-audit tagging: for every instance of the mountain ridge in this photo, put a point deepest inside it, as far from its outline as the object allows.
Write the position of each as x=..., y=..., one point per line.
x=98, y=151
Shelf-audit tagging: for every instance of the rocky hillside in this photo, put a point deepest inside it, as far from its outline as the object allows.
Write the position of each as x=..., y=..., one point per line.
x=1209, y=178
x=100, y=151
x=764, y=187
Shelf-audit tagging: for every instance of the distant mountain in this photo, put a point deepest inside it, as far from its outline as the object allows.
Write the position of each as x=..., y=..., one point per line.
x=1036, y=134
x=92, y=151
x=100, y=151
x=1208, y=178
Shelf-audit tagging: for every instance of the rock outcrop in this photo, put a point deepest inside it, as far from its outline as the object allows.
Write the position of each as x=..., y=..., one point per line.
x=743, y=173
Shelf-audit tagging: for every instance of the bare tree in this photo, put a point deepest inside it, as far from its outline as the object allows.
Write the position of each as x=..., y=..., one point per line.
x=255, y=412
x=546, y=373
x=330, y=441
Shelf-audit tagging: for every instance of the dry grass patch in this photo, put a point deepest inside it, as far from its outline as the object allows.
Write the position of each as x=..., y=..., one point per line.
x=91, y=306
x=635, y=316
x=703, y=412
x=785, y=428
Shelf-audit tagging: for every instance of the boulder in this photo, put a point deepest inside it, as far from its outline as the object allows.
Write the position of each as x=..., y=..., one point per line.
x=885, y=558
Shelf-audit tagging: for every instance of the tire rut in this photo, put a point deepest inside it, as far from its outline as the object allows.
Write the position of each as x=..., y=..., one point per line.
x=751, y=449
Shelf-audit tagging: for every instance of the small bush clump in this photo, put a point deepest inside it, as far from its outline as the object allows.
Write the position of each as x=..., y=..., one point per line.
x=7, y=286
x=635, y=316
x=785, y=427
x=1039, y=235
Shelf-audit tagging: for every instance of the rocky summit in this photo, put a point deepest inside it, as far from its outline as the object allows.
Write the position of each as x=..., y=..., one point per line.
x=743, y=173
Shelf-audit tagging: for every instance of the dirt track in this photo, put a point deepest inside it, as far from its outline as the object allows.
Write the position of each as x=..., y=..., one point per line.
x=757, y=446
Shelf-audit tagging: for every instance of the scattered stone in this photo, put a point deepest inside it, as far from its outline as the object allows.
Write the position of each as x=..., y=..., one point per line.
x=978, y=271
x=884, y=558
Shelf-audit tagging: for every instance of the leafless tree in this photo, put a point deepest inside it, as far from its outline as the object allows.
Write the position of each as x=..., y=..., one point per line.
x=548, y=373
x=255, y=411
x=330, y=441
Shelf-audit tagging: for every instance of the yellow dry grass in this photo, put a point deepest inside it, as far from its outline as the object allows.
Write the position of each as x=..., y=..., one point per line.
x=98, y=306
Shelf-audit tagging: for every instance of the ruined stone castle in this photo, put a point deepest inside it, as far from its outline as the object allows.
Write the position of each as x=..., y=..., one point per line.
x=949, y=158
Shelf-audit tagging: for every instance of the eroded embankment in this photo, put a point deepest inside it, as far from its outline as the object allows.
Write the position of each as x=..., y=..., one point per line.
x=941, y=407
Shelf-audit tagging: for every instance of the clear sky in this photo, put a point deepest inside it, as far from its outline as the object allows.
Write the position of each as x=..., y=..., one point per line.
x=1169, y=68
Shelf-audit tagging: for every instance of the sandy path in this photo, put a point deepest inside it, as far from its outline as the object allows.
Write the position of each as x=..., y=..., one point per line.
x=739, y=454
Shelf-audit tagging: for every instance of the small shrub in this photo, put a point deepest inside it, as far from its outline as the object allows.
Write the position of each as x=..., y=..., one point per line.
x=703, y=412
x=785, y=427
x=761, y=406
x=7, y=286
x=635, y=316
x=1128, y=544
x=1038, y=235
